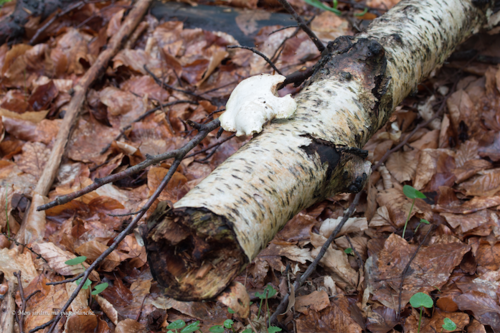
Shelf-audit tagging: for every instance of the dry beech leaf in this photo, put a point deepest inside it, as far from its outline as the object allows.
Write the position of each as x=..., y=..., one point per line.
x=337, y=262
x=108, y=309
x=56, y=259
x=397, y=204
x=484, y=184
x=428, y=165
x=381, y=218
x=474, y=205
x=130, y=326
x=402, y=165
x=470, y=221
x=236, y=298
x=292, y=252
x=430, y=268
x=317, y=301
x=33, y=159
x=485, y=309
x=93, y=249
x=12, y=261
x=352, y=225
x=470, y=168
x=338, y=315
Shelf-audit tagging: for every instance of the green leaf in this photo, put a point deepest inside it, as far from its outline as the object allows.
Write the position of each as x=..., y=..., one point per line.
x=76, y=261
x=449, y=325
x=424, y=221
x=273, y=329
x=230, y=310
x=412, y=193
x=421, y=299
x=348, y=250
x=176, y=324
x=100, y=288
x=216, y=329
x=228, y=323
x=320, y=5
x=191, y=327
x=248, y=330
x=363, y=13
x=86, y=285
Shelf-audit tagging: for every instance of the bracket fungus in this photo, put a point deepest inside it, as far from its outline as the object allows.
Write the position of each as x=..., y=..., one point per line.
x=254, y=102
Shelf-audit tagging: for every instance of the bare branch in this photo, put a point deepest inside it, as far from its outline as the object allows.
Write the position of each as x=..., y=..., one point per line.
x=302, y=24
x=254, y=50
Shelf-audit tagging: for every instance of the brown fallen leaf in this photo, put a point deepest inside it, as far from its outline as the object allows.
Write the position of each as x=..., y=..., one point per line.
x=485, y=309
x=316, y=301
x=337, y=318
x=108, y=309
x=435, y=323
x=93, y=249
x=56, y=259
x=467, y=207
x=12, y=261
x=33, y=159
x=352, y=225
x=236, y=297
x=485, y=183
x=430, y=268
x=130, y=326
x=403, y=165
x=470, y=168
x=470, y=221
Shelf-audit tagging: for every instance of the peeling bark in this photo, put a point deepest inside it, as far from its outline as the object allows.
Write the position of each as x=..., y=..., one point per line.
x=196, y=249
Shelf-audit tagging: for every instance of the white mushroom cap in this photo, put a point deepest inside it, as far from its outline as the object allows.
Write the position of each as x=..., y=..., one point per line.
x=254, y=102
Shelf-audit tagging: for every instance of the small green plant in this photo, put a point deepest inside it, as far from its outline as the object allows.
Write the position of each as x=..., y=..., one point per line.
x=181, y=325
x=79, y=261
x=269, y=292
x=421, y=221
x=421, y=300
x=216, y=329
x=348, y=251
x=448, y=325
x=363, y=13
x=414, y=194
x=321, y=5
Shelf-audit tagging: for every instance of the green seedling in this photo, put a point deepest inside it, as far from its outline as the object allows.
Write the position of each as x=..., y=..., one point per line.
x=413, y=194
x=321, y=5
x=269, y=292
x=448, y=325
x=273, y=329
x=421, y=300
x=79, y=261
x=181, y=325
x=216, y=329
x=99, y=288
x=419, y=223
x=363, y=13
x=348, y=251
x=247, y=331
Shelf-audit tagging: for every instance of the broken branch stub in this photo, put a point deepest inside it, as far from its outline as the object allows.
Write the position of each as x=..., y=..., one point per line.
x=197, y=248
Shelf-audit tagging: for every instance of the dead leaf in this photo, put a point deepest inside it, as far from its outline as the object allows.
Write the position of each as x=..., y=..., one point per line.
x=236, y=297
x=93, y=249
x=130, y=326
x=485, y=183
x=33, y=159
x=317, y=301
x=11, y=261
x=402, y=165
x=352, y=225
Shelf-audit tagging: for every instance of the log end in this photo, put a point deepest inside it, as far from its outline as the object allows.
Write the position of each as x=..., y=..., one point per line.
x=193, y=253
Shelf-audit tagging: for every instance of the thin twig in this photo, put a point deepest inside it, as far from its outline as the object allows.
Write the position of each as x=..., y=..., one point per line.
x=144, y=115
x=283, y=28
x=37, y=255
x=121, y=236
x=165, y=85
x=24, y=301
x=211, y=146
x=73, y=279
x=150, y=160
x=42, y=29
x=302, y=24
x=284, y=302
x=407, y=268
x=254, y=50
x=280, y=48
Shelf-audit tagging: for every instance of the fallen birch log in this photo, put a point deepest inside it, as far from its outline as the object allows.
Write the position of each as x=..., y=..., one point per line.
x=196, y=249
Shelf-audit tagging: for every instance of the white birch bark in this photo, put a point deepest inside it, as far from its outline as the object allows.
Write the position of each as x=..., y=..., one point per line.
x=296, y=162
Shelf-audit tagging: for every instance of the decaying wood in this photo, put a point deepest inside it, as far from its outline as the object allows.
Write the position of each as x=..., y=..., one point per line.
x=7, y=308
x=196, y=249
x=34, y=229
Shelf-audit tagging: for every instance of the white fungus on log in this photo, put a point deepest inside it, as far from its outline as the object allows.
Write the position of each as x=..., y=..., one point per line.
x=254, y=102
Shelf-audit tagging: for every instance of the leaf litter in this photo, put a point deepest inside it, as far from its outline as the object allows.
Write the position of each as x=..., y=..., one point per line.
x=453, y=161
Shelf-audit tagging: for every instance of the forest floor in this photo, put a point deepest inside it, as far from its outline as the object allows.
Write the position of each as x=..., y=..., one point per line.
x=363, y=282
